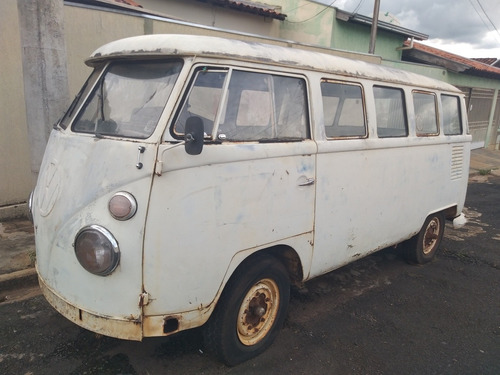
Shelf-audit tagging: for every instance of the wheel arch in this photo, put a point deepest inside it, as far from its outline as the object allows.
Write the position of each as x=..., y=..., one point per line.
x=273, y=266
x=451, y=212
x=284, y=254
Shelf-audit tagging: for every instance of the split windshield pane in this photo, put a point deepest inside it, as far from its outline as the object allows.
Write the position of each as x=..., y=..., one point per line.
x=128, y=100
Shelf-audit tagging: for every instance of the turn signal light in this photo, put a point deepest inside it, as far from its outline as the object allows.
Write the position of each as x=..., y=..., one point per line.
x=122, y=206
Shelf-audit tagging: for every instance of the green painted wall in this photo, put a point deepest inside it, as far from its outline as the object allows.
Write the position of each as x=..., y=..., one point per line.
x=356, y=37
x=306, y=22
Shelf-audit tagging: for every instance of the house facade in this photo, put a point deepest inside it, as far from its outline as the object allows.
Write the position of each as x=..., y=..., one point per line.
x=47, y=42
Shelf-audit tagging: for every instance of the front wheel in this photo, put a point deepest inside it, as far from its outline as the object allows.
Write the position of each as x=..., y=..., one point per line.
x=422, y=247
x=251, y=311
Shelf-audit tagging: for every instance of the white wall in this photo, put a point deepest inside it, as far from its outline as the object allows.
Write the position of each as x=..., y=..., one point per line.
x=15, y=171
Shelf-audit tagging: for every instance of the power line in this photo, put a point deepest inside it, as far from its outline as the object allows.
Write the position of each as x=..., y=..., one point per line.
x=481, y=17
x=488, y=17
x=358, y=6
x=316, y=15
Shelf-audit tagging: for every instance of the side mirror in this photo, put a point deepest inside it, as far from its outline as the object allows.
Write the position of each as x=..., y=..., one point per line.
x=194, y=135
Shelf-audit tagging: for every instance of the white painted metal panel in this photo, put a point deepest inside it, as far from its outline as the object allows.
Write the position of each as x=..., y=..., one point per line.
x=206, y=208
x=79, y=175
x=375, y=193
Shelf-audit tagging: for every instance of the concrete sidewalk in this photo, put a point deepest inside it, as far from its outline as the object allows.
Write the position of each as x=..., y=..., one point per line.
x=17, y=245
x=17, y=256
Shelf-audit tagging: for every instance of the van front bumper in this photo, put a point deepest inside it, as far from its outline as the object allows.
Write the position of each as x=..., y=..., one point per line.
x=127, y=329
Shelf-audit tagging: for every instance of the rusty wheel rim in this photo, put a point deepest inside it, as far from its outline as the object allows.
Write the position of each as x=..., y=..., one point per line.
x=431, y=236
x=258, y=312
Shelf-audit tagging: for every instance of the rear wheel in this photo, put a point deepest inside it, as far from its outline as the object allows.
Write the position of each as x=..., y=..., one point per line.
x=423, y=247
x=251, y=311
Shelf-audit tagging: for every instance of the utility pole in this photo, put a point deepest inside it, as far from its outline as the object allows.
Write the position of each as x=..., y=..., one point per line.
x=373, y=35
x=45, y=74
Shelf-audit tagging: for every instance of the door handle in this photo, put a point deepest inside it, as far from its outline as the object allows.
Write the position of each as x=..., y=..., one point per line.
x=307, y=182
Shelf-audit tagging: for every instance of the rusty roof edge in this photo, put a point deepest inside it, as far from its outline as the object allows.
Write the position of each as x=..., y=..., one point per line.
x=158, y=45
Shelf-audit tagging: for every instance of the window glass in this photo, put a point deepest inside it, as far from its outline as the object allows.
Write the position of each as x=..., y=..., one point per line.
x=425, y=113
x=257, y=106
x=264, y=107
x=249, y=100
x=343, y=110
x=452, y=124
x=80, y=97
x=128, y=100
x=203, y=99
x=391, y=112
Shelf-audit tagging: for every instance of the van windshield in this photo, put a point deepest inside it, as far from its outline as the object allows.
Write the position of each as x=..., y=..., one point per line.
x=128, y=99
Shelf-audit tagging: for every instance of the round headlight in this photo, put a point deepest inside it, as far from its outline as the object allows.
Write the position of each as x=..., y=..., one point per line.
x=97, y=250
x=122, y=205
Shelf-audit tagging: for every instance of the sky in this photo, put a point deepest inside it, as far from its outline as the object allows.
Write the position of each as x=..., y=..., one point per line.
x=469, y=28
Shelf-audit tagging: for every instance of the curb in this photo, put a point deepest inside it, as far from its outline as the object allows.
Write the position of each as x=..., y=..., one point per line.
x=19, y=279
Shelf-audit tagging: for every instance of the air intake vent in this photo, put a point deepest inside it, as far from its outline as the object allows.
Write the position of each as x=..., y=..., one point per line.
x=457, y=162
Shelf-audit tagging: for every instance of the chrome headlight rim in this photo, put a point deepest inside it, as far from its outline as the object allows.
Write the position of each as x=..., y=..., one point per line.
x=115, y=254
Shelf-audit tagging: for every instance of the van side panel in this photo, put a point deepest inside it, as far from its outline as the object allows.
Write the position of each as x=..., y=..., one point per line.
x=373, y=194
x=205, y=209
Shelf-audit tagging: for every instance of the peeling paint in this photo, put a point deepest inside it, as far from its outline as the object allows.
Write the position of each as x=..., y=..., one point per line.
x=196, y=45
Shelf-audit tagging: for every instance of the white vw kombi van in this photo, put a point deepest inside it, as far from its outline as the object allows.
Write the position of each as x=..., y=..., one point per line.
x=194, y=179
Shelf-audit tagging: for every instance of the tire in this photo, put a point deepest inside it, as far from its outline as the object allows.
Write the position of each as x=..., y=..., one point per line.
x=422, y=248
x=250, y=312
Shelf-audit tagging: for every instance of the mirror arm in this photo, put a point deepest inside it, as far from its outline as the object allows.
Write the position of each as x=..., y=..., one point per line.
x=159, y=161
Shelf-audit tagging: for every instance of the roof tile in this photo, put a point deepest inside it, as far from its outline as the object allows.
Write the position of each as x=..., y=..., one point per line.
x=472, y=65
x=249, y=7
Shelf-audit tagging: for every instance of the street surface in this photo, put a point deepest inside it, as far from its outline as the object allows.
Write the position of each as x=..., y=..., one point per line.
x=376, y=316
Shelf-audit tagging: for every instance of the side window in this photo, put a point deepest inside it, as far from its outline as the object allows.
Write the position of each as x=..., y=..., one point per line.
x=343, y=110
x=264, y=107
x=425, y=113
x=203, y=99
x=391, y=112
x=452, y=123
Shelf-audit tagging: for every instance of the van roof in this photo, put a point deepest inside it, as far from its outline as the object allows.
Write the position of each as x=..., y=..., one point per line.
x=159, y=45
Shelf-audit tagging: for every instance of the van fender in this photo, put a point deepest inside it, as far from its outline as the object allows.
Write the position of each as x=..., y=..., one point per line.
x=295, y=253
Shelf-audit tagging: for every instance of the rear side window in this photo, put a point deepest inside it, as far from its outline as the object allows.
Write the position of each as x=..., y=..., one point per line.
x=452, y=123
x=343, y=110
x=391, y=112
x=247, y=106
x=425, y=113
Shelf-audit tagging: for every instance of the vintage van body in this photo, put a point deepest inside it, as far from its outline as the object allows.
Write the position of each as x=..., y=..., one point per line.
x=194, y=178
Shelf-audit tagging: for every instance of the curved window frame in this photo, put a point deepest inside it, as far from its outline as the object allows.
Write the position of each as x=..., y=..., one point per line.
x=338, y=116
x=230, y=106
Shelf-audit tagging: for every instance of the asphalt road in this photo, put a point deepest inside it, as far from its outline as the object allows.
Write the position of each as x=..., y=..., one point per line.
x=376, y=316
